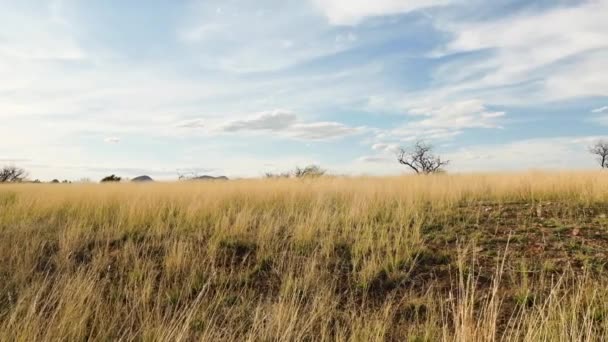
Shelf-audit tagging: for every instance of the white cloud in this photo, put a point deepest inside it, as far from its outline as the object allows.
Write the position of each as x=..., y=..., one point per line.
x=457, y=115
x=575, y=29
x=580, y=78
x=391, y=148
x=285, y=123
x=600, y=110
x=270, y=120
x=601, y=117
x=323, y=130
x=429, y=121
x=351, y=12
x=519, y=59
x=192, y=123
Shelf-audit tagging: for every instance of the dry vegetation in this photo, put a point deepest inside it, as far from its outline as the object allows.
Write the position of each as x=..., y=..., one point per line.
x=367, y=259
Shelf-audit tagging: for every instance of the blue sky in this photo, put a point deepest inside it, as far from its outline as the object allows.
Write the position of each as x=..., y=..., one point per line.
x=238, y=88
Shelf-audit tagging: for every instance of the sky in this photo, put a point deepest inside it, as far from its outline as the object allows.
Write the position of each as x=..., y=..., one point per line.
x=240, y=87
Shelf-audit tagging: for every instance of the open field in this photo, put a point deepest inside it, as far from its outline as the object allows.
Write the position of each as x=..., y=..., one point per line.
x=462, y=257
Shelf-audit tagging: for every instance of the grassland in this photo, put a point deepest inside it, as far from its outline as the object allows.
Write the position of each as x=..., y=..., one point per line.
x=452, y=258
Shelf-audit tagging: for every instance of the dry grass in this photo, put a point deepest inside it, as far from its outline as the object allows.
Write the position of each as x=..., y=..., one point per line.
x=453, y=258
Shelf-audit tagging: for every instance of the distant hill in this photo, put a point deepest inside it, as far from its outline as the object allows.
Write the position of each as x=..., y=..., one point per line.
x=206, y=177
x=142, y=179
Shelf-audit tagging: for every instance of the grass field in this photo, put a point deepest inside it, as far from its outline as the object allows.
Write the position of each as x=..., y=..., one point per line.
x=449, y=257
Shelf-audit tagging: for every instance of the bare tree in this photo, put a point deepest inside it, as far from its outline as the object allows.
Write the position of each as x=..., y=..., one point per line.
x=421, y=159
x=12, y=174
x=600, y=149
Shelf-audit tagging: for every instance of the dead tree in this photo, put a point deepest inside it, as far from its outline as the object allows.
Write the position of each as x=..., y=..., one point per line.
x=421, y=159
x=600, y=149
x=12, y=174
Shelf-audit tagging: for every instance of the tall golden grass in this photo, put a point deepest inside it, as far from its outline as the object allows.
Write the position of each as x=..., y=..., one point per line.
x=444, y=257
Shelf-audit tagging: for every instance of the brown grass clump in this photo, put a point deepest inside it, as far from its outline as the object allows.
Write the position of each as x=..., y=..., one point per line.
x=455, y=258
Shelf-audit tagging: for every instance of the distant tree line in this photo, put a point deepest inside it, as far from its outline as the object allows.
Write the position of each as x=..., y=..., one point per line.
x=299, y=172
x=419, y=157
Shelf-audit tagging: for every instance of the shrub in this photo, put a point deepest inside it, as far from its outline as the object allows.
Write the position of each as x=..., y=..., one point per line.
x=309, y=171
x=111, y=178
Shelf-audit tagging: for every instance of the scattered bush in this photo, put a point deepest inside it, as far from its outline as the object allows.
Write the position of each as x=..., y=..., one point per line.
x=277, y=175
x=309, y=171
x=299, y=172
x=111, y=178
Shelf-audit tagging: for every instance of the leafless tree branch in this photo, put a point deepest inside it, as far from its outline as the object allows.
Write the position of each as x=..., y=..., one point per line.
x=600, y=149
x=12, y=174
x=420, y=159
